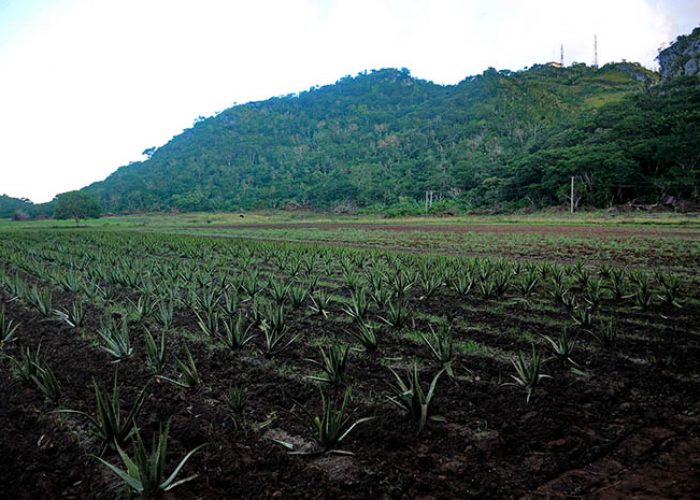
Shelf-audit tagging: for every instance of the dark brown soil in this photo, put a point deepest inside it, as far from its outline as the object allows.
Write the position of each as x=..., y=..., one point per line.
x=631, y=430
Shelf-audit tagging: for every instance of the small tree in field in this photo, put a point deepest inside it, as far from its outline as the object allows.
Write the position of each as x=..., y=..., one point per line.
x=76, y=205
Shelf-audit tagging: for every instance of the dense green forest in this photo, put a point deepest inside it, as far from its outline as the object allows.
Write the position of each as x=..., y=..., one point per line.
x=383, y=138
x=11, y=207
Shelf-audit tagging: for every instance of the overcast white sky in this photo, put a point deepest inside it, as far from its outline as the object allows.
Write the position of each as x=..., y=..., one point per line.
x=85, y=86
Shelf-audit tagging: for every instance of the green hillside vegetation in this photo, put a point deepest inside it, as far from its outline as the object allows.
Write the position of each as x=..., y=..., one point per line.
x=9, y=207
x=382, y=138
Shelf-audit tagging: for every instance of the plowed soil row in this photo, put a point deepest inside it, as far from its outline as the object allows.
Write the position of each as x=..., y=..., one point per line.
x=546, y=230
x=629, y=430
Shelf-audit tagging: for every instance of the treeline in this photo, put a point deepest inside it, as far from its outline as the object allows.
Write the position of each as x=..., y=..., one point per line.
x=16, y=207
x=383, y=138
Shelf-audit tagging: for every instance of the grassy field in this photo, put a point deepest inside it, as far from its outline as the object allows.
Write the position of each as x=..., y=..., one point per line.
x=640, y=240
x=485, y=357
x=189, y=220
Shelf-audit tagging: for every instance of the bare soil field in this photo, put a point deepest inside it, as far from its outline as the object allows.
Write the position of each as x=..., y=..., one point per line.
x=587, y=230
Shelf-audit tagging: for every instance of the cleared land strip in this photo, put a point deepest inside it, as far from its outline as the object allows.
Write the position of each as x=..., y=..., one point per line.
x=597, y=231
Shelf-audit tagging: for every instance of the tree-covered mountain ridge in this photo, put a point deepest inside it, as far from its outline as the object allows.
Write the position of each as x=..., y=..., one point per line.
x=14, y=207
x=383, y=138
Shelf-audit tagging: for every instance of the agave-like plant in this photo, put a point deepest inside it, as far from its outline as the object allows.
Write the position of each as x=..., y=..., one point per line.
x=670, y=293
x=116, y=338
x=209, y=324
x=320, y=303
x=334, y=365
x=156, y=354
x=463, y=284
x=358, y=308
x=527, y=372
x=274, y=327
x=583, y=277
x=74, y=317
x=296, y=296
x=402, y=283
x=582, y=316
x=441, y=346
x=255, y=313
x=487, y=288
x=7, y=329
x=229, y=301
x=166, y=309
x=294, y=267
x=642, y=295
x=236, y=399
x=18, y=287
x=558, y=291
x=107, y=293
x=308, y=263
x=26, y=366
x=594, y=293
x=145, y=473
x=366, y=335
x=607, y=334
x=108, y=425
x=353, y=280
x=569, y=301
x=410, y=397
x=562, y=347
x=235, y=336
x=333, y=425
x=312, y=284
x=42, y=300
x=207, y=300
x=382, y=295
x=278, y=292
x=618, y=283
x=501, y=282
x=143, y=307
x=544, y=270
x=528, y=283
x=397, y=315
x=430, y=283
x=70, y=282
x=251, y=285
x=188, y=376
x=45, y=380
x=33, y=369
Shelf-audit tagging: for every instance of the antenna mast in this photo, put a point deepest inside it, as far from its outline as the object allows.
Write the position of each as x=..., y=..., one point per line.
x=561, y=55
x=595, y=51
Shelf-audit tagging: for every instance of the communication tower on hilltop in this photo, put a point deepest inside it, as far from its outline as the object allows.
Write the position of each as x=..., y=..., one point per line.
x=561, y=55
x=595, y=51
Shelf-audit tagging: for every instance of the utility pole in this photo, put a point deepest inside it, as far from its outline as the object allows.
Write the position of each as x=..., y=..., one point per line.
x=572, y=194
x=595, y=51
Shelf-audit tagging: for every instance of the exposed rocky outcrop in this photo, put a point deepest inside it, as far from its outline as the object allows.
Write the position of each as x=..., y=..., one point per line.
x=682, y=58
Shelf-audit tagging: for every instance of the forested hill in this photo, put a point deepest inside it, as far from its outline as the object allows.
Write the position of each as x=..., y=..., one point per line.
x=10, y=207
x=385, y=137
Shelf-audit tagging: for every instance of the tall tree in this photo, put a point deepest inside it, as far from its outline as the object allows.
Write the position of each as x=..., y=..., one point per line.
x=76, y=205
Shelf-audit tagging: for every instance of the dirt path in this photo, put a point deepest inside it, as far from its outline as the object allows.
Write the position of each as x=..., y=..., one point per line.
x=553, y=230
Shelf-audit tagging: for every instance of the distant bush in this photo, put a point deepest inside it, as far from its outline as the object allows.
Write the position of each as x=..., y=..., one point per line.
x=408, y=207
x=20, y=215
